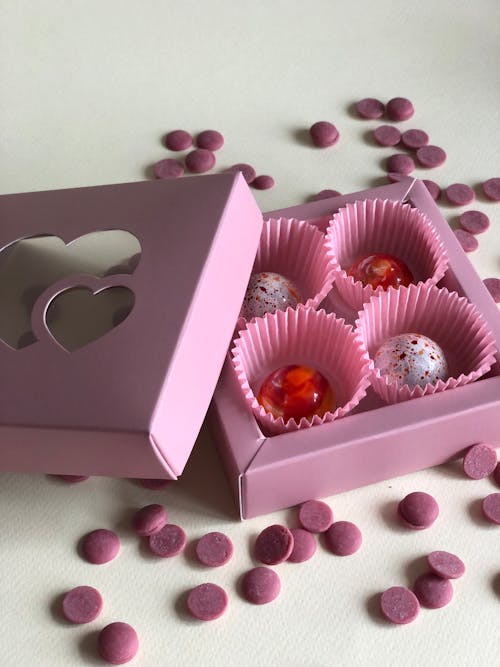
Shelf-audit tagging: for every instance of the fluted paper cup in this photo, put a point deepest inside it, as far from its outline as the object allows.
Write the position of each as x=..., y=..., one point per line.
x=446, y=318
x=305, y=337
x=375, y=226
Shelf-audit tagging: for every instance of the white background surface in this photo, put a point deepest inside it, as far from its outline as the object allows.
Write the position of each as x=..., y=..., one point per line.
x=87, y=90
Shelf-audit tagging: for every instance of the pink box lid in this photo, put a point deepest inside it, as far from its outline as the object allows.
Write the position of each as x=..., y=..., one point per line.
x=130, y=403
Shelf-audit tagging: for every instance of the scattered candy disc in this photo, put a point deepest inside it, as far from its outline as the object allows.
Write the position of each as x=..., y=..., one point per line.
x=399, y=108
x=474, y=222
x=431, y=156
x=155, y=484
x=247, y=170
x=468, y=242
x=178, y=140
x=343, y=538
x=149, y=520
x=433, y=188
x=493, y=287
x=73, y=479
x=414, y=139
x=82, y=604
x=210, y=140
x=479, y=461
x=387, y=135
x=168, y=542
x=200, y=160
x=400, y=164
x=399, y=605
x=324, y=134
x=459, y=194
x=446, y=565
x=418, y=510
x=491, y=189
x=304, y=545
x=325, y=194
x=214, y=549
x=263, y=182
x=491, y=507
x=432, y=591
x=100, y=546
x=207, y=602
x=261, y=585
x=118, y=643
x=274, y=545
x=496, y=474
x=315, y=516
x=370, y=108
x=168, y=168
x=394, y=177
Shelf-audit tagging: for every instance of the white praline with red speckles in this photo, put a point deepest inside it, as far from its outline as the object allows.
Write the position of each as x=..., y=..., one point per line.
x=411, y=359
x=266, y=293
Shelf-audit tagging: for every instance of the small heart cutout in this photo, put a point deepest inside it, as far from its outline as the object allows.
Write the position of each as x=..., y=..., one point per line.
x=79, y=316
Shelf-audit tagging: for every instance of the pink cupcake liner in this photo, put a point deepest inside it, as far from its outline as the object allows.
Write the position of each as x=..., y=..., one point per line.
x=307, y=337
x=383, y=226
x=443, y=316
x=295, y=249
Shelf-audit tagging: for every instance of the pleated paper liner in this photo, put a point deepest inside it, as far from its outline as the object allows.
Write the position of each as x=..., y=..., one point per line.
x=296, y=250
x=305, y=337
x=383, y=226
x=446, y=318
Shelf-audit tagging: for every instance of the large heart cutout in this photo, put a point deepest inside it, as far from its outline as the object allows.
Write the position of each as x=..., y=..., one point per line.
x=29, y=266
x=78, y=316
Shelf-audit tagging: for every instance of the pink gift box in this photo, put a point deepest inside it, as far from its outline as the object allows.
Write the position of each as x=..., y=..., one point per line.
x=376, y=441
x=131, y=402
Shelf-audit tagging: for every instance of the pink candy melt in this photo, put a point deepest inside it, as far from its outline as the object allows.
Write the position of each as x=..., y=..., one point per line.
x=387, y=135
x=274, y=545
x=167, y=542
x=178, y=140
x=214, y=549
x=100, y=546
x=207, y=602
x=399, y=108
x=491, y=507
x=433, y=188
x=432, y=591
x=414, y=138
x=445, y=565
x=343, y=538
x=149, y=520
x=418, y=510
x=210, y=139
x=474, y=222
x=324, y=134
x=82, y=604
x=468, y=242
x=155, y=484
x=496, y=474
x=73, y=479
x=479, y=461
x=304, y=545
x=400, y=164
x=325, y=194
x=370, y=108
x=261, y=585
x=315, y=516
x=491, y=189
x=168, y=168
x=263, y=182
x=200, y=161
x=247, y=170
x=431, y=156
x=399, y=605
x=118, y=643
x=493, y=287
x=459, y=194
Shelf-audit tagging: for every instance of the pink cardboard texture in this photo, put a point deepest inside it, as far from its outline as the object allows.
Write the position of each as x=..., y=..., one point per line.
x=376, y=441
x=130, y=403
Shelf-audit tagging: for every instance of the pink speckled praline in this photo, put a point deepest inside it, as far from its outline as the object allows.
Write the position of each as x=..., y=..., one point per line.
x=200, y=161
x=118, y=643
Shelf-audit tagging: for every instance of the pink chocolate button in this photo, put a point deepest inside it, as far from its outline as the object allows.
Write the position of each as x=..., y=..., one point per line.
x=207, y=602
x=73, y=479
x=400, y=164
x=100, y=546
x=370, y=108
x=387, y=135
x=446, y=565
x=168, y=168
x=82, y=604
x=468, y=242
x=343, y=538
x=274, y=545
x=155, y=484
x=261, y=585
x=418, y=510
x=263, y=182
x=399, y=605
x=210, y=139
x=325, y=194
x=304, y=545
x=479, y=461
x=118, y=643
x=496, y=474
x=491, y=189
x=493, y=287
x=168, y=542
x=433, y=188
x=394, y=177
x=431, y=156
x=432, y=591
x=178, y=140
x=214, y=549
x=491, y=507
x=324, y=134
x=399, y=108
x=414, y=139
x=315, y=516
x=459, y=194
x=474, y=222
x=200, y=161
x=149, y=520
x=247, y=170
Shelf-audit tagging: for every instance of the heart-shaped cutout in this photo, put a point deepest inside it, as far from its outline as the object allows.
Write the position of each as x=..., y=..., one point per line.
x=79, y=316
x=29, y=266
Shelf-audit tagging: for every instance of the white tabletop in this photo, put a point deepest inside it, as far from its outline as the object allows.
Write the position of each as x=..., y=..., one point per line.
x=88, y=89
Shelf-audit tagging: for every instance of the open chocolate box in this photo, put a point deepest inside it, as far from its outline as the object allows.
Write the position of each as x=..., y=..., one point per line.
x=376, y=440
